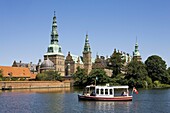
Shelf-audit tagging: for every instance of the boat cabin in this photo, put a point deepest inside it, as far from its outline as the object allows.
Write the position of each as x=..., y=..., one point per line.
x=105, y=91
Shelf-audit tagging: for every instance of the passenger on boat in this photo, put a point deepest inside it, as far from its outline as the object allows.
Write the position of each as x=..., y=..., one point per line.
x=124, y=93
x=93, y=93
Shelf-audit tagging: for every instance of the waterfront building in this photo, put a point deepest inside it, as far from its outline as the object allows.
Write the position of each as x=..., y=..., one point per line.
x=72, y=62
x=54, y=51
x=84, y=62
x=47, y=65
x=102, y=63
x=17, y=73
x=32, y=67
x=55, y=60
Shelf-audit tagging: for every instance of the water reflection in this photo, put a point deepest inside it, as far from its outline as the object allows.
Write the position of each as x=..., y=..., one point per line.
x=65, y=100
x=110, y=106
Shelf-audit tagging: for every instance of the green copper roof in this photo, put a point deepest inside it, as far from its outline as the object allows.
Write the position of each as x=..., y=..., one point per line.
x=54, y=33
x=54, y=48
x=136, y=52
x=87, y=45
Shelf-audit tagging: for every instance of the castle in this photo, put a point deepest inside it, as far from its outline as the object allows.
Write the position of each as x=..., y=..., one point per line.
x=55, y=60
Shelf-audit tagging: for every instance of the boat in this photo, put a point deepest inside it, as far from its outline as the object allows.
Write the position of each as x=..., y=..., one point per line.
x=6, y=88
x=105, y=93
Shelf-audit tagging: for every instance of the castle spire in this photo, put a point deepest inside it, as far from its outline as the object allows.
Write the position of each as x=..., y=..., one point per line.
x=54, y=52
x=136, y=54
x=87, y=56
x=54, y=13
x=54, y=47
x=87, y=45
x=54, y=33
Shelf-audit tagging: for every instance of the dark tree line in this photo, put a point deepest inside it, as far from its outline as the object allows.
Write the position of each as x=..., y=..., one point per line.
x=49, y=76
x=152, y=73
x=96, y=76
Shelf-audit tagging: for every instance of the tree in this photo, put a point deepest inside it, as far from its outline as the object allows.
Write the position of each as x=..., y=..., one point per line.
x=168, y=71
x=156, y=68
x=99, y=76
x=1, y=75
x=116, y=63
x=136, y=74
x=49, y=76
x=80, y=77
x=119, y=80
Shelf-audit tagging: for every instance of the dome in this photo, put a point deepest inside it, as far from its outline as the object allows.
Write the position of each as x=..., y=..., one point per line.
x=47, y=65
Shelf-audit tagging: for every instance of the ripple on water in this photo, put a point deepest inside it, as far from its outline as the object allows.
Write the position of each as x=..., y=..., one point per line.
x=147, y=101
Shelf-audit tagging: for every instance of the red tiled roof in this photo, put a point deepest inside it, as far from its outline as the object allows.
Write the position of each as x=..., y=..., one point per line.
x=15, y=71
x=33, y=76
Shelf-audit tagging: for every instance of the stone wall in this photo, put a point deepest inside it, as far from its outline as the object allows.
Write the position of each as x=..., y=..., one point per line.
x=33, y=84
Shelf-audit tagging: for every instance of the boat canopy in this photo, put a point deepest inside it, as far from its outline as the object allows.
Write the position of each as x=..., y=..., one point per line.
x=115, y=87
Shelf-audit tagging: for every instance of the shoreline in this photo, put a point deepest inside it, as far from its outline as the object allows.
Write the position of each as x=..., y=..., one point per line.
x=10, y=85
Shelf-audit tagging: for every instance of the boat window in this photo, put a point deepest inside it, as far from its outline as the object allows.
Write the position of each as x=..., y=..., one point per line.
x=111, y=91
x=97, y=91
x=106, y=91
x=92, y=88
x=101, y=91
x=88, y=90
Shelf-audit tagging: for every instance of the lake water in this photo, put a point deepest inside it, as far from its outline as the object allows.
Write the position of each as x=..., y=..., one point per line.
x=66, y=101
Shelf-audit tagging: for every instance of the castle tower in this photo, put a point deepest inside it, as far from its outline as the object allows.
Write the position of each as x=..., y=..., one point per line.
x=87, y=56
x=54, y=52
x=136, y=54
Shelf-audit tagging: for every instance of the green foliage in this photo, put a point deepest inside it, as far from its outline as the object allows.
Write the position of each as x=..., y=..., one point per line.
x=119, y=80
x=14, y=79
x=49, y=76
x=80, y=77
x=116, y=63
x=41, y=76
x=157, y=83
x=156, y=68
x=168, y=70
x=101, y=76
x=21, y=79
x=148, y=82
x=168, y=74
x=1, y=75
x=136, y=74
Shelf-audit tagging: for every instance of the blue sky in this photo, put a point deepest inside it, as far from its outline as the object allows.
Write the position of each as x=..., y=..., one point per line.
x=25, y=27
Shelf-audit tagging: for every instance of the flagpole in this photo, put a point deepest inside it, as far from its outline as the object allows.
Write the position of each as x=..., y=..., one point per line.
x=95, y=82
x=132, y=91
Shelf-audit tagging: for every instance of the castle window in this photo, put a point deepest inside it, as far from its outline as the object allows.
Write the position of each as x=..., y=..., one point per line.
x=10, y=73
x=50, y=49
x=59, y=49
